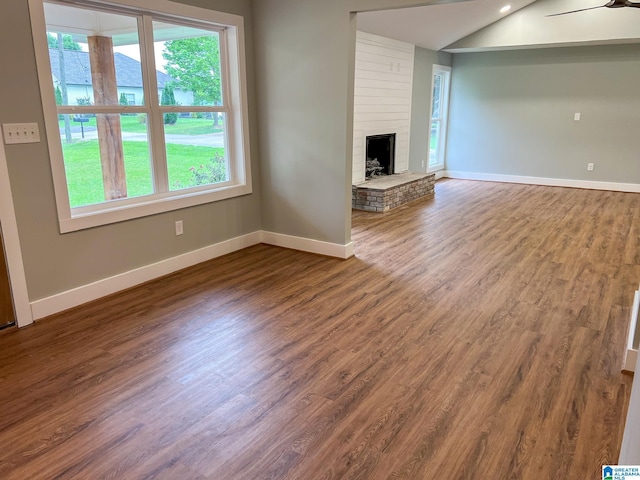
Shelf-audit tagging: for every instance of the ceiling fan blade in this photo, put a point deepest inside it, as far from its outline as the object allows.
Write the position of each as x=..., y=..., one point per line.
x=631, y=4
x=575, y=11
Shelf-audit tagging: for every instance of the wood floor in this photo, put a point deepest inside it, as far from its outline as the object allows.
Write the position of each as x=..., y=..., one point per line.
x=477, y=335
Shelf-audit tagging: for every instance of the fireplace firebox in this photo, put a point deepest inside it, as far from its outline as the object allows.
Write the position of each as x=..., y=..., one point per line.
x=381, y=151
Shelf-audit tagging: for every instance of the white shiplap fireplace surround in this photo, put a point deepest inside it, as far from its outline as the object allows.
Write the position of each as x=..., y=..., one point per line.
x=382, y=106
x=382, y=98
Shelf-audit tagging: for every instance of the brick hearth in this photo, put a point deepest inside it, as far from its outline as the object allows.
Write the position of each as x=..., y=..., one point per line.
x=385, y=193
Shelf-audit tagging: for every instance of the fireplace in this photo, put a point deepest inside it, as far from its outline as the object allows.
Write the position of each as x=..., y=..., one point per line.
x=381, y=150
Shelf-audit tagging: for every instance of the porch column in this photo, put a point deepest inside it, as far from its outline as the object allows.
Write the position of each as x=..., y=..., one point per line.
x=105, y=93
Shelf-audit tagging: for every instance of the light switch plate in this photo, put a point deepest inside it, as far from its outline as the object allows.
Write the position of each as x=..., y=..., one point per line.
x=20, y=133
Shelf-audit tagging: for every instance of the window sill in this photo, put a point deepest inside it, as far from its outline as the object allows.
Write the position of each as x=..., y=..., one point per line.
x=144, y=208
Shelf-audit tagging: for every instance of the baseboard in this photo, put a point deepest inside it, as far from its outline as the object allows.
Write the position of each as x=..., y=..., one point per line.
x=549, y=182
x=308, y=245
x=630, y=448
x=101, y=288
x=630, y=360
x=440, y=174
x=72, y=298
x=631, y=355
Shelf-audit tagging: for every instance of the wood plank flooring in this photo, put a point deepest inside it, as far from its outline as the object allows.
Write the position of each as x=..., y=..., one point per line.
x=477, y=335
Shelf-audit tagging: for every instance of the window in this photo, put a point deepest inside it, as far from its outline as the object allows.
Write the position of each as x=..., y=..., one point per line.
x=145, y=109
x=439, y=112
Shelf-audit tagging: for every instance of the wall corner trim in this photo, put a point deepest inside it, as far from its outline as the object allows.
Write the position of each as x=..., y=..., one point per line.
x=13, y=251
x=101, y=288
x=542, y=181
x=308, y=245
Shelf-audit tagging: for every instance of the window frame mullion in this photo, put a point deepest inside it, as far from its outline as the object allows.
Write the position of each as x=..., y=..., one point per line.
x=155, y=127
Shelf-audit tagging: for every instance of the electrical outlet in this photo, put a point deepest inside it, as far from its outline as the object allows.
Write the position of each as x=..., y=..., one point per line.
x=590, y=167
x=179, y=228
x=20, y=133
x=577, y=116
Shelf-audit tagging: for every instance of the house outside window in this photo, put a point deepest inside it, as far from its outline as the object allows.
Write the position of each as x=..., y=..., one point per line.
x=148, y=111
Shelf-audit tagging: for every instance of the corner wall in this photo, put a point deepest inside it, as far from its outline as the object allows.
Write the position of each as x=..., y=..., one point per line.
x=302, y=58
x=305, y=51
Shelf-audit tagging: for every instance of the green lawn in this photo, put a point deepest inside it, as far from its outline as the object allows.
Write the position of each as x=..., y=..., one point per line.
x=84, y=173
x=184, y=126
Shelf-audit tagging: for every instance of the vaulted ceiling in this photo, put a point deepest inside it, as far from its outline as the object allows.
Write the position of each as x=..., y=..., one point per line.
x=478, y=25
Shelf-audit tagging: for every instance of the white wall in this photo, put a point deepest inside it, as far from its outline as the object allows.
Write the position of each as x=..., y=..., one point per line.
x=382, y=97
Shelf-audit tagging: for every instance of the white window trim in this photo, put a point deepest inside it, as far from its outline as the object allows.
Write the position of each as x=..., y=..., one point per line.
x=444, y=119
x=238, y=131
x=13, y=252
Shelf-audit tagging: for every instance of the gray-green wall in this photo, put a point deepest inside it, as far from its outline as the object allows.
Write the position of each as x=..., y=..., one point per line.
x=55, y=263
x=302, y=62
x=513, y=112
x=424, y=61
